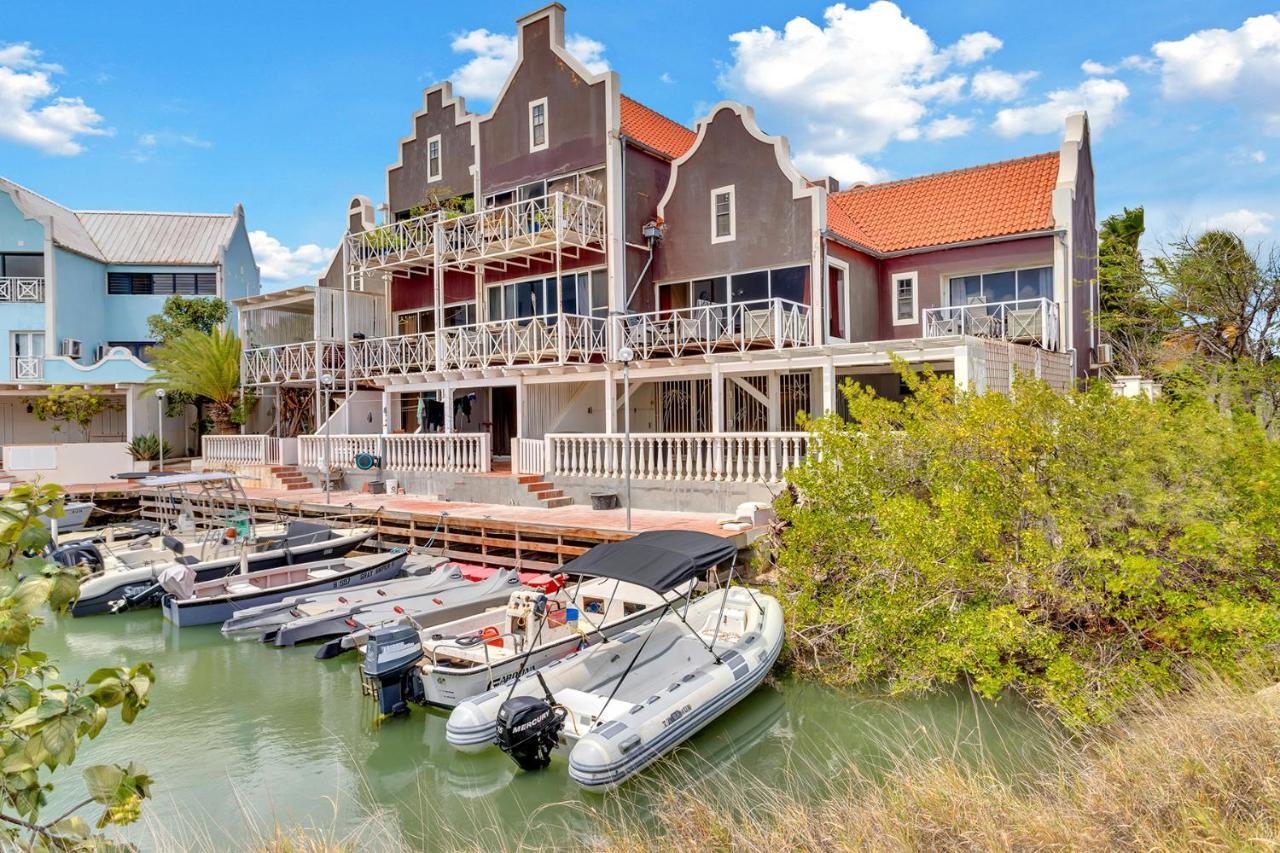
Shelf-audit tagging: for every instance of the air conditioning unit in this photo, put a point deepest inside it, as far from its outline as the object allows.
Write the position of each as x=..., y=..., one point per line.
x=1102, y=355
x=100, y=352
x=71, y=347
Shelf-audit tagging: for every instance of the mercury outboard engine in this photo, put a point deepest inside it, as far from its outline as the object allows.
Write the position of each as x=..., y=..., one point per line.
x=79, y=554
x=389, y=656
x=529, y=728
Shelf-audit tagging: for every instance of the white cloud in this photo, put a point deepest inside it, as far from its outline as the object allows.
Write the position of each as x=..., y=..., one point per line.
x=991, y=84
x=1138, y=63
x=32, y=114
x=281, y=265
x=1223, y=63
x=1245, y=222
x=1258, y=156
x=972, y=47
x=147, y=143
x=1096, y=69
x=494, y=54
x=846, y=87
x=948, y=127
x=666, y=77
x=1101, y=97
x=23, y=57
x=849, y=168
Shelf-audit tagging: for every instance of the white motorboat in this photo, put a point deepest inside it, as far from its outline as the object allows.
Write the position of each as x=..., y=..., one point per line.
x=618, y=706
x=446, y=663
x=210, y=526
x=189, y=602
x=491, y=589
x=75, y=515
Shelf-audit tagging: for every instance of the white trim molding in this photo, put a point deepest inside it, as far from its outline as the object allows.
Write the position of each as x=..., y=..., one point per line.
x=914, y=277
x=438, y=142
x=546, y=126
x=733, y=214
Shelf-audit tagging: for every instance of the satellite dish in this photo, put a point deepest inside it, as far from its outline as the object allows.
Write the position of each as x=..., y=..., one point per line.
x=368, y=461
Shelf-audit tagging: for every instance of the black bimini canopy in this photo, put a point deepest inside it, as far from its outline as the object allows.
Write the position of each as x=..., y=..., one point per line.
x=660, y=560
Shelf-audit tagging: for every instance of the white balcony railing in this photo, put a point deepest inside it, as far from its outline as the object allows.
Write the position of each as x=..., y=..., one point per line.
x=461, y=452
x=407, y=242
x=769, y=323
x=530, y=455
x=21, y=289
x=741, y=457
x=27, y=367
x=547, y=339
x=551, y=222
x=395, y=356
x=292, y=362
x=1025, y=321
x=240, y=449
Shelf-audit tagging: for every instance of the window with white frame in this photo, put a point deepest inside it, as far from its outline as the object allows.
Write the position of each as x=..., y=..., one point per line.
x=754, y=288
x=905, y=298
x=538, y=124
x=581, y=293
x=1000, y=286
x=433, y=158
x=723, y=225
x=423, y=320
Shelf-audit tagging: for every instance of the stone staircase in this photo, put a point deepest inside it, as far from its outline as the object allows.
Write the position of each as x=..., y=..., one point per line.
x=546, y=493
x=288, y=478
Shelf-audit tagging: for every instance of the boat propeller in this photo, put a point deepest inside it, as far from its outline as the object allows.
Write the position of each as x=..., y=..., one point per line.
x=529, y=728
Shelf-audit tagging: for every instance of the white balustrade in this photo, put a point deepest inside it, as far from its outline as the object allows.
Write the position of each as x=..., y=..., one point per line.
x=736, y=327
x=292, y=362
x=240, y=449
x=1031, y=321
x=403, y=242
x=27, y=367
x=462, y=452
x=742, y=457
x=530, y=456
x=560, y=219
x=21, y=289
x=393, y=356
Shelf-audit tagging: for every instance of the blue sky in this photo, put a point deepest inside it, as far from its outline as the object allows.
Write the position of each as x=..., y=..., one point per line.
x=293, y=108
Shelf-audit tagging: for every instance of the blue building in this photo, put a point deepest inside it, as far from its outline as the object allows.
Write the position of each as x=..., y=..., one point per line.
x=76, y=289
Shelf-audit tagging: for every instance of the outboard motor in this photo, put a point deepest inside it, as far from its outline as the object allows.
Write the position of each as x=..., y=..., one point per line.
x=529, y=729
x=79, y=554
x=389, y=656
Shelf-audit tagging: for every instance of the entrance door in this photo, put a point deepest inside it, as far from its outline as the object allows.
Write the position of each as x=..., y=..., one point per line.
x=504, y=419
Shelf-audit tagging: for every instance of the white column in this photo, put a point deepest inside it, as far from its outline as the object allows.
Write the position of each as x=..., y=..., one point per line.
x=447, y=391
x=386, y=412
x=829, y=392
x=960, y=362
x=717, y=419
x=775, y=402
x=610, y=402
x=129, y=394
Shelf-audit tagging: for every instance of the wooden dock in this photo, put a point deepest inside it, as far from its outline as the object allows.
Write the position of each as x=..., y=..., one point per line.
x=490, y=534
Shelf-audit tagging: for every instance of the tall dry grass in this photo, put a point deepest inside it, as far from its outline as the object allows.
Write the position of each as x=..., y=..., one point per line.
x=1198, y=771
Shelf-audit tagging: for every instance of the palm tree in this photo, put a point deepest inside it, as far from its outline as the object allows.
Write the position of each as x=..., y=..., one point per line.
x=203, y=365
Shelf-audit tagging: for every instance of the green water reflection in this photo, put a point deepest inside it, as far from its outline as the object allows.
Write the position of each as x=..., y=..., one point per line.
x=235, y=727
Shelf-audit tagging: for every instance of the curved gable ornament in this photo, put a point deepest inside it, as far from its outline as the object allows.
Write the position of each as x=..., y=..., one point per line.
x=800, y=185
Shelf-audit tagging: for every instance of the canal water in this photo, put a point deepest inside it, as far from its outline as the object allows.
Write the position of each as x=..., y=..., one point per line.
x=241, y=737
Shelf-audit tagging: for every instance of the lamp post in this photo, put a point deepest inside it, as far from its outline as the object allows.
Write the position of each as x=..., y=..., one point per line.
x=625, y=355
x=160, y=425
x=327, y=381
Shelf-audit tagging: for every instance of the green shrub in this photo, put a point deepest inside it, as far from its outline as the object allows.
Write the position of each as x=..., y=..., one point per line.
x=145, y=448
x=1075, y=547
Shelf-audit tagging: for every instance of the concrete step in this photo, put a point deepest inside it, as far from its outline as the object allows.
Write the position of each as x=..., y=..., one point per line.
x=552, y=503
x=525, y=479
x=550, y=494
x=539, y=487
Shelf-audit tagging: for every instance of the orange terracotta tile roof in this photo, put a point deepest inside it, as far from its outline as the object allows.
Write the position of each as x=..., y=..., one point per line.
x=995, y=200
x=655, y=130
